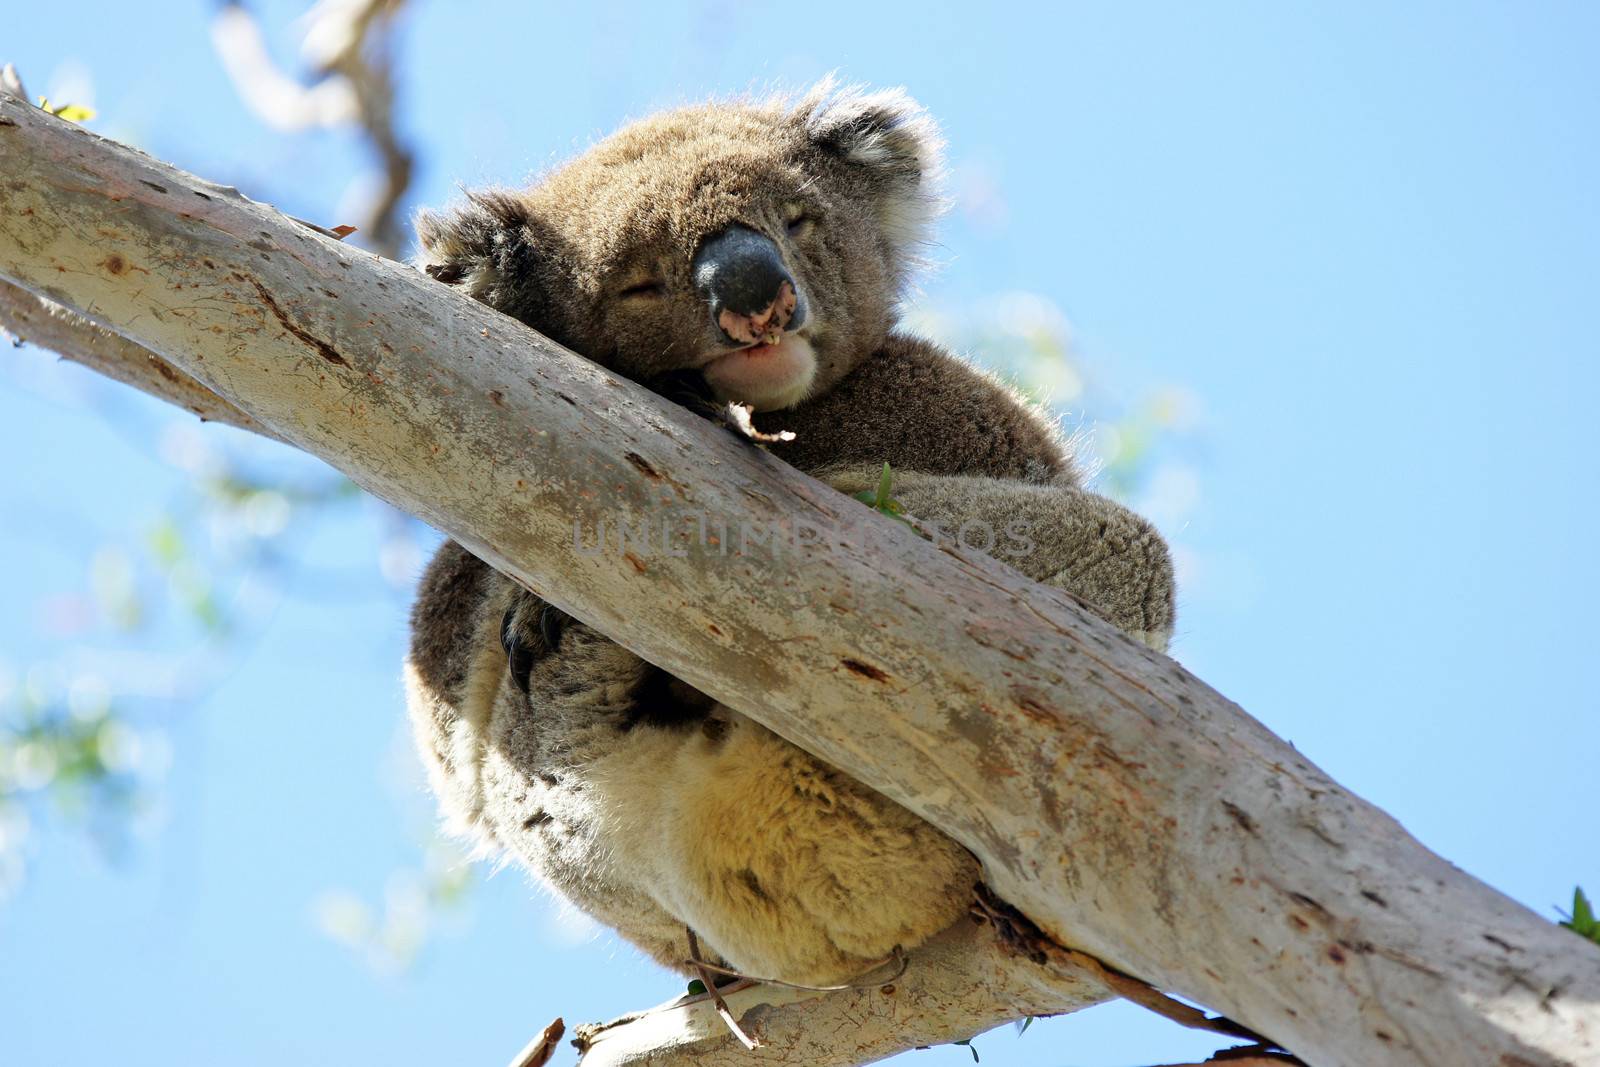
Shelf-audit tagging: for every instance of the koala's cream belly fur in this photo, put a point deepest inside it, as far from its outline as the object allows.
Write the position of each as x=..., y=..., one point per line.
x=783, y=866
x=787, y=867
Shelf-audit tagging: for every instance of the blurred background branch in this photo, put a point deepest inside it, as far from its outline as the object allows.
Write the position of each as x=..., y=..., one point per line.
x=349, y=47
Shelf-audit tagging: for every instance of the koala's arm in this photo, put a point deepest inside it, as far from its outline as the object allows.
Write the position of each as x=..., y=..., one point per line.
x=920, y=408
x=1053, y=532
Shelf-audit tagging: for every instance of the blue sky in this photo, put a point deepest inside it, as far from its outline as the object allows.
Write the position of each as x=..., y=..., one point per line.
x=1360, y=240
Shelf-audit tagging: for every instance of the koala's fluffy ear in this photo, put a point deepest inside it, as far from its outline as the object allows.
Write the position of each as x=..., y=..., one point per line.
x=891, y=138
x=480, y=245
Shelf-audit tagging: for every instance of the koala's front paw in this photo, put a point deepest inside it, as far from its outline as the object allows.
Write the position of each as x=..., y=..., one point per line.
x=551, y=657
x=1115, y=561
x=1094, y=548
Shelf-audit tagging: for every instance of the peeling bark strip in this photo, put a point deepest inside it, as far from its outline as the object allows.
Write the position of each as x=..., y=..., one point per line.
x=1087, y=772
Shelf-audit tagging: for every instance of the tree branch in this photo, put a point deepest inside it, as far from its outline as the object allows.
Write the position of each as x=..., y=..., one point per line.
x=962, y=983
x=30, y=318
x=1124, y=806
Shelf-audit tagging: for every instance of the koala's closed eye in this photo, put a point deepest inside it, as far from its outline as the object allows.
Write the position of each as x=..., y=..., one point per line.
x=647, y=289
x=798, y=222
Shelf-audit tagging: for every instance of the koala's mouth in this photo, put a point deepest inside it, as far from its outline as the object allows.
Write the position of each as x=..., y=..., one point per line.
x=768, y=377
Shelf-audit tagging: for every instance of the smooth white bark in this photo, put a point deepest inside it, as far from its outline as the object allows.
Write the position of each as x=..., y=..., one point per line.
x=1118, y=801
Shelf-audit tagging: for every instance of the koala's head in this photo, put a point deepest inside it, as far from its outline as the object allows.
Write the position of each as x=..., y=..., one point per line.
x=761, y=245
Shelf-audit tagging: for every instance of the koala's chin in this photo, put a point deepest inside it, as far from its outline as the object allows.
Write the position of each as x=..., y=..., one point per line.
x=767, y=377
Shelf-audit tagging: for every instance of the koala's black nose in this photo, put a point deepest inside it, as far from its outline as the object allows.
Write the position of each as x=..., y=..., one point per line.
x=741, y=275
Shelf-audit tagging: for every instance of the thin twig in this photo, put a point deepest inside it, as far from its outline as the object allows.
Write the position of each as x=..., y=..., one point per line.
x=338, y=233
x=716, y=997
x=898, y=958
x=537, y=1052
x=1030, y=939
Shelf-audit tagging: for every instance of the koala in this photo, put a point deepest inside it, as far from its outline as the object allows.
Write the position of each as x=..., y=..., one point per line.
x=751, y=252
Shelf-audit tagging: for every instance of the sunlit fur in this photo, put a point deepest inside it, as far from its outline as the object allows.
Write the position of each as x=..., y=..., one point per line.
x=860, y=167
x=647, y=805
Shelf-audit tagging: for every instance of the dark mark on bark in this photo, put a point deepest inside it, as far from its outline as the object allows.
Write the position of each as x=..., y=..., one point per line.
x=114, y=263
x=1375, y=898
x=1035, y=710
x=638, y=564
x=1240, y=816
x=323, y=348
x=153, y=185
x=1499, y=943
x=1336, y=954
x=1308, y=902
x=641, y=465
x=498, y=397
x=865, y=670
x=1109, y=755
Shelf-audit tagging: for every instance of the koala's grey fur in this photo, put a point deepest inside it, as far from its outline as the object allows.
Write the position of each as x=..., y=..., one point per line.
x=644, y=802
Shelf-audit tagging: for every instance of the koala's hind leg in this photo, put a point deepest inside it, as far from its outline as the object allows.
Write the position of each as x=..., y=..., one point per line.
x=788, y=868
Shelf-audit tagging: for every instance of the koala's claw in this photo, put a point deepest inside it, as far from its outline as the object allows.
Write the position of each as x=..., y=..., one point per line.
x=521, y=652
